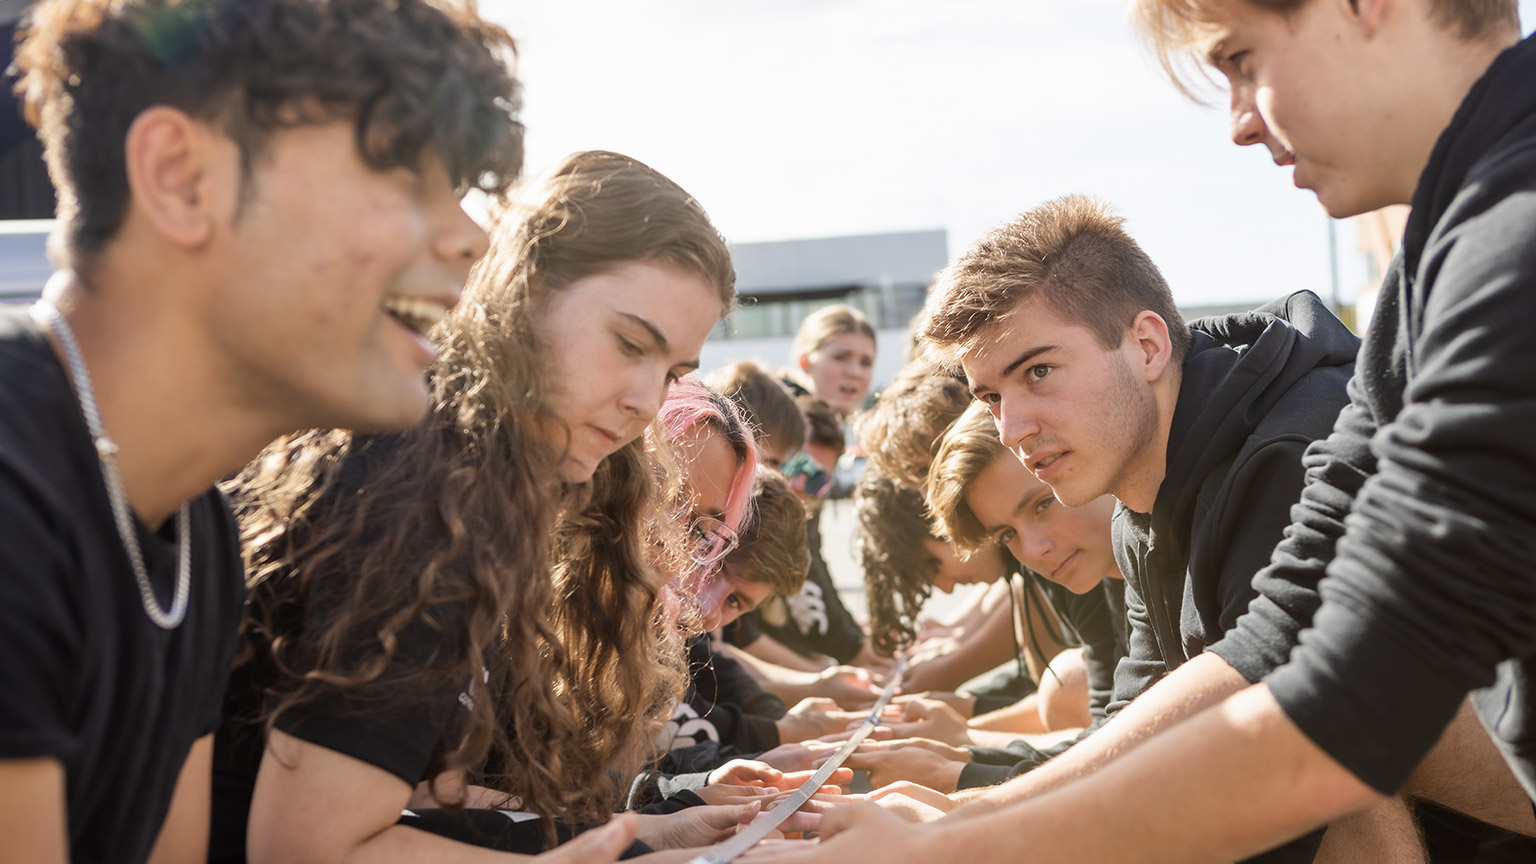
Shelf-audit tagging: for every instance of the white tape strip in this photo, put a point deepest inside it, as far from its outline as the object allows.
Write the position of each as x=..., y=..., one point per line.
x=766, y=822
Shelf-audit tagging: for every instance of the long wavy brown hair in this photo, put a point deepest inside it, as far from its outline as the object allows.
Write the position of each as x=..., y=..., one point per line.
x=548, y=592
x=898, y=570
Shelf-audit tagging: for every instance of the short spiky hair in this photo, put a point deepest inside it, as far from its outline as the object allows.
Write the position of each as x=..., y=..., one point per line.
x=1174, y=29
x=1074, y=254
x=773, y=550
x=412, y=75
x=901, y=433
x=969, y=447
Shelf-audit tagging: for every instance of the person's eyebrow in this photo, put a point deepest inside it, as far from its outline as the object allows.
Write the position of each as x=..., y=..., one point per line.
x=1014, y=366
x=1216, y=54
x=994, y=530
x=662, y=344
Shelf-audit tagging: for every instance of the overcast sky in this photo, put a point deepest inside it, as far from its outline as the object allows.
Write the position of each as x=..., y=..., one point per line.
x=808, y=118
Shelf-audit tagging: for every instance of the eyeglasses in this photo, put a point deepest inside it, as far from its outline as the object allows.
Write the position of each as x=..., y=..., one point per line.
x=712, y=540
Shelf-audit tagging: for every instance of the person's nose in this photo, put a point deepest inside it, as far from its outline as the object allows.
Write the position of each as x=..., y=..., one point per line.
x=645, y=392
x=1016, y=425
x=1036, y=546
x=1247, y=126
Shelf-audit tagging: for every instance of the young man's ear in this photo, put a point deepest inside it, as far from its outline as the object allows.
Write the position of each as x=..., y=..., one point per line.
x=1153, y=345
x=804, y=362
x=1365, y=14
x=173, y=166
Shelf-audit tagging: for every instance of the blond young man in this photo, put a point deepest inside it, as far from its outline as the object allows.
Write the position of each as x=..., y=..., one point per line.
x=1428, y=594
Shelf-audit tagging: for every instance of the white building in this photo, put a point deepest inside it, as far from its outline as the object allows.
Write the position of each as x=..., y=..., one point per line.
x=886, y=276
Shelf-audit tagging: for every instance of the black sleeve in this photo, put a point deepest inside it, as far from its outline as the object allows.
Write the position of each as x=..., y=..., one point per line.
x=1287, y=589
x=1092, y=617
x=735, y=685
x=387, y=724
x=677, y=801
x=1143, y=664
x=37, y=634
x=1253, y=520
x=504, y=832
x=1432, y=587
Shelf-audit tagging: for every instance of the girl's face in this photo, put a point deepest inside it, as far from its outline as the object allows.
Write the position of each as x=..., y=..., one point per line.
x=708, y=465
x=615, y=341
x=986, y=566
x=1067, y=545
x=840, y=370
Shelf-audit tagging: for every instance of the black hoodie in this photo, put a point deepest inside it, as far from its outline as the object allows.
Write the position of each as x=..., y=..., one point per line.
x=1431, y=589
x=1257, y=388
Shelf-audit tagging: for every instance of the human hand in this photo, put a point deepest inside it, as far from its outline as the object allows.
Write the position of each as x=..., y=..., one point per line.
x=745, y=772
x=816, y=717
x=913, y=802
x=837, y=779
x=850, y=687
x=852, y=832
x=928, y=649
x=930, y=719
x=963, y=703
x=726, y=793
x=797, y=756
x=696, y=826
x=937, y=766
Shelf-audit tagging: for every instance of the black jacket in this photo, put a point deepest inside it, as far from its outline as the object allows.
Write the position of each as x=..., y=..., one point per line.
x=1257, y=388
x=1430, y=590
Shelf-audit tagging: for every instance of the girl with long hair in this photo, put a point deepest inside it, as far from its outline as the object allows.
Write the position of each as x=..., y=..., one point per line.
x=466, y=615
x=834, y=354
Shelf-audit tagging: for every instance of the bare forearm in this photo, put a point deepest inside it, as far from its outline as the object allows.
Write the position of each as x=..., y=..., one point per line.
x=790, y=685
x=1232, y=781
x=986, y=649
x=773, y=651
x=1200, y=683
x=1020, y=718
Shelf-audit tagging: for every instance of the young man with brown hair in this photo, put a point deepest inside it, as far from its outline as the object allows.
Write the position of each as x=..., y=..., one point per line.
x=259, y=220
x=1428, y=595
x=1069, y=334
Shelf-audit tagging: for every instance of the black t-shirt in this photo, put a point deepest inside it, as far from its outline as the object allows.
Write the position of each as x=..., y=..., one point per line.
x=88, y=679
x=391, y=725
x=815, y=621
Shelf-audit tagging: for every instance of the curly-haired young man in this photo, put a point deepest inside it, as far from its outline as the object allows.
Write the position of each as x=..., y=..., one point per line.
x=260, y=218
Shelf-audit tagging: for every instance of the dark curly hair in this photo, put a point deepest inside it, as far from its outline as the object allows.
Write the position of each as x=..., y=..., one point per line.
x=901, y=433
x=898, y=571
x=412, y=75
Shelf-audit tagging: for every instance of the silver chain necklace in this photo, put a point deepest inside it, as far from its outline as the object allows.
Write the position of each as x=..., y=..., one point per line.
x=48, y=317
